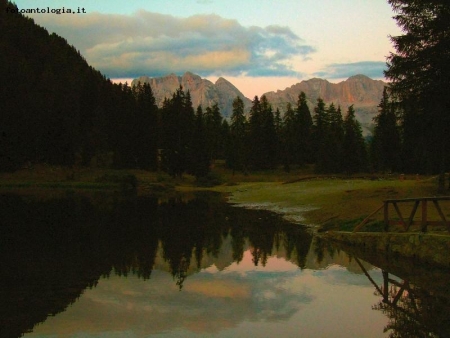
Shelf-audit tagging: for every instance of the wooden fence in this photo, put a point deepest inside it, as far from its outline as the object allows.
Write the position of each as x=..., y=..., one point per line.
x=407, y=223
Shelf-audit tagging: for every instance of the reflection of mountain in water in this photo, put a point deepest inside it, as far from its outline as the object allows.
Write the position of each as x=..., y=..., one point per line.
x=54, y=249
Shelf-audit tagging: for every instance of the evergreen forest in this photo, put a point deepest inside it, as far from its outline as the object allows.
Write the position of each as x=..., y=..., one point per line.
x=57, y=109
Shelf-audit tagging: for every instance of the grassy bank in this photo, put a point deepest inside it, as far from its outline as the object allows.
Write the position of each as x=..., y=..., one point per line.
x=330, y=202
x=43, y=179
x=326, y=202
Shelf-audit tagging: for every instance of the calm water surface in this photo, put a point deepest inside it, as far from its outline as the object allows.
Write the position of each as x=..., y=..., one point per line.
x=194, y=266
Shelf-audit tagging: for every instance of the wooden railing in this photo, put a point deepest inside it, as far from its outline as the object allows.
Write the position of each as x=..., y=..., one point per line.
x=407, y=223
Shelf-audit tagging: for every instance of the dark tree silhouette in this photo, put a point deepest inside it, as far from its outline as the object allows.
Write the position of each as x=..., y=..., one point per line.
x=420, y=74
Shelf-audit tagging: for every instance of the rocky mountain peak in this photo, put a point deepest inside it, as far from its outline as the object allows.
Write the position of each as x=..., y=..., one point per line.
x=359, y=77
x=203, y=92
x=359, y=90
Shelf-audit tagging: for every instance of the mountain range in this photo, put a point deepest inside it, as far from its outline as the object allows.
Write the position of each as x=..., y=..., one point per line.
x=203, y=92
x=359, y=90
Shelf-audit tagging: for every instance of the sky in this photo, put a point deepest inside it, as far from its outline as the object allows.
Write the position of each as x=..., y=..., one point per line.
x=278, y=299
x=258, y=45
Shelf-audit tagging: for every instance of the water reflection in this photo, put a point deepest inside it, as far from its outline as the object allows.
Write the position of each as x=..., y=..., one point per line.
x=107, y=265
x=415, y=298
x=54, y=249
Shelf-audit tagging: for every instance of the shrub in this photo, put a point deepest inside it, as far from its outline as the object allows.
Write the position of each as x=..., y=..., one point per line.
x=125, y=180
x=210, y=180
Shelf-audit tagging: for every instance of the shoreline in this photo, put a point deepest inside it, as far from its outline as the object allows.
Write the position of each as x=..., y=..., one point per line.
x=320, y=202
x=427, y=248
x=330, y=207
x=325, y=203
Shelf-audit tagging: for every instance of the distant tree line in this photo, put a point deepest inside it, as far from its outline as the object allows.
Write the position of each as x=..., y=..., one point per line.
x=57, y=109
x=266, y=140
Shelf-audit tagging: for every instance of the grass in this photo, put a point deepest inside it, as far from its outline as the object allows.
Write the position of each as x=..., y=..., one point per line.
x=333, y=202
x=46, y=177
x=327, y=202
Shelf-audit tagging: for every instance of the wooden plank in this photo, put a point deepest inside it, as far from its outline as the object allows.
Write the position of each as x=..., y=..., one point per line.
x=424, y=215
x=424, y=222
x=441, y=198
x=399, y=293
x=393, y=281
x=368, y=276
x=399, y=214
x=364, y=221
x=385, y=286
x=386, y=216
x=438, y=208
x=411, y=217
x=429, y=223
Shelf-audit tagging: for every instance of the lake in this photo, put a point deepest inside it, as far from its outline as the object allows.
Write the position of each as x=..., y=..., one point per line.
x=191, y=265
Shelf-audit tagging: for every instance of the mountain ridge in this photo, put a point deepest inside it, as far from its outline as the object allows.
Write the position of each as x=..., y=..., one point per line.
x=203, y=92
x=358, y=90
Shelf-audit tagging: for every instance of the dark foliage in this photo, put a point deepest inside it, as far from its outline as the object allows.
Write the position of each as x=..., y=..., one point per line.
x=419, y=71
x=57, y=109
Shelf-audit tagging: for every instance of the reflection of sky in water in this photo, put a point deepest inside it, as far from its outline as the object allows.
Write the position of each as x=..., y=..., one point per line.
x=240, y=301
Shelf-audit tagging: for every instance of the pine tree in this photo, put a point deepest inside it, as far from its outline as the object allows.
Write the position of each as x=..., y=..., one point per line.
x=123, y=129
x=335, y=139
x=320, y=136
x=256, y=137
x=354, y=149
x=262, y=135
x=213, y=124
x=270, y=135
x=178, y=120
x=278, y=121
x=413, y=137
x=200, y=158
x=278, y=124
x=304, y=120
x=385, y=147
x=145, y=127
x=225, y=139
x=271, y=139
x=237, y=152
x=419, y=72
x=328, y=137
x=289, y=138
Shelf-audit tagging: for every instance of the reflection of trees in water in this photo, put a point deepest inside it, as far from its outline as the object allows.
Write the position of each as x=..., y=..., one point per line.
x=412, y=311
x=131, y=238
x=76, y=240
x=261, y=238
x=414, y=297
x=200, y=226
x=320, y=247
x=47, y=258
x=186, y=228
x=54, y=249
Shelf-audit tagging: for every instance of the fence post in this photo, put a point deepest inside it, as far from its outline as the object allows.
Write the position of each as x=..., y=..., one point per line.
x=386, y=216
x=424, y=215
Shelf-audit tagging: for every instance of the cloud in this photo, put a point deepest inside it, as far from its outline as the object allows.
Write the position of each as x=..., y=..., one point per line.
x=373, y=69
x=153, y=44
x=209, y=303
